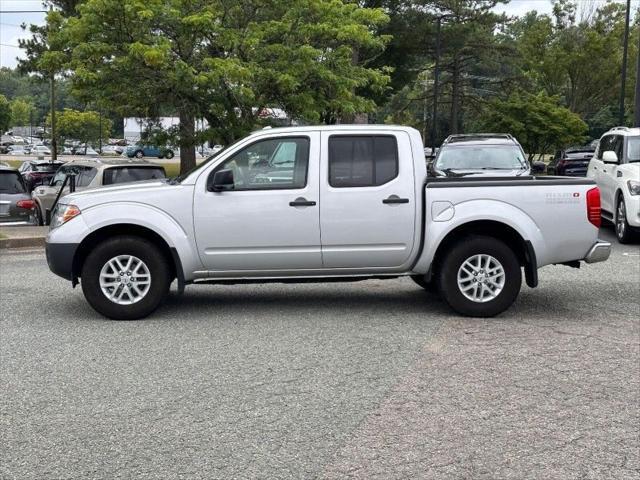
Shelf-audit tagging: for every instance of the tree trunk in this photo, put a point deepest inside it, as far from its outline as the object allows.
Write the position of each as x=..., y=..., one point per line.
x=347, y=118
x=455, y=96
x=187, y=140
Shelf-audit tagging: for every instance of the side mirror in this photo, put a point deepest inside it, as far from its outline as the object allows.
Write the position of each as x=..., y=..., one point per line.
x=220, y=181
x=610, y=157
x=538, y=167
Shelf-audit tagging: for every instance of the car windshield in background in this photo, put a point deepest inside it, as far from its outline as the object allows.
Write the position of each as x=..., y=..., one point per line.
x=131, y=174
x=11, y=183
x=633, y=149
x=479, y=157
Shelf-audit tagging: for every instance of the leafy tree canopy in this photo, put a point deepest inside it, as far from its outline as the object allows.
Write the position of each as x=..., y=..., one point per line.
x=5, y=114
x=22, y=110
x=539, y=122
x=82, y=126
x=223, y=60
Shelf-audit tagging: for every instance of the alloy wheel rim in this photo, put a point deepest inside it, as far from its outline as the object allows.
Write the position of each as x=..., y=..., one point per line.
x=481, y=278
x=621, y=219
x=125, y=279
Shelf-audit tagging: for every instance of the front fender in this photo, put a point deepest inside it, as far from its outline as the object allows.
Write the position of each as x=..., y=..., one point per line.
x=479, y=210
x=113, y=213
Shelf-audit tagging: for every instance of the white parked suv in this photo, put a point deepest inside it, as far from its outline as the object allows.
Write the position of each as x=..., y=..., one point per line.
x=616, y=169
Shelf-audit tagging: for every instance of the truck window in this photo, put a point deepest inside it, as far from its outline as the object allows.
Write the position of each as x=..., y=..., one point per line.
x=362, y=161
x=276, y=163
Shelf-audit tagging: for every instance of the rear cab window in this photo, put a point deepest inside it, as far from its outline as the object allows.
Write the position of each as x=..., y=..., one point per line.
x=362, y=160
x=116, y=175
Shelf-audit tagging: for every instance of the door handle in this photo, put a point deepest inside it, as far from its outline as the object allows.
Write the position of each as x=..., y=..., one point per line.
x=394, y=199
x=604, y=170
x=618, y=174
x=302, y=202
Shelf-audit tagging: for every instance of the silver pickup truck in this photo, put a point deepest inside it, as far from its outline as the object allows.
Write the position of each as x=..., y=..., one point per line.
x=320, y=204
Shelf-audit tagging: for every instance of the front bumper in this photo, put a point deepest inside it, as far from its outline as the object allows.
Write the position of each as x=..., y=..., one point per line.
x=599, y=252
x=60, y=258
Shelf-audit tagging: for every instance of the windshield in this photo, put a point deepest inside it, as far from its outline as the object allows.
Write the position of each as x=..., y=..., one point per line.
x=11, y=182
x=479, y=157
x=131, y=174
x=633, y=149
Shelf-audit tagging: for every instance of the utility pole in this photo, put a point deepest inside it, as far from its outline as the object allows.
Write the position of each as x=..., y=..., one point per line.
x=624, y=64
x=636, y=116
x=54, y=141
x=436, y=78
x=100, y=131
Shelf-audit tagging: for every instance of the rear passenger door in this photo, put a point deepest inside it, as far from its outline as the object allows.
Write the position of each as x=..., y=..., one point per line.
x=367, y=200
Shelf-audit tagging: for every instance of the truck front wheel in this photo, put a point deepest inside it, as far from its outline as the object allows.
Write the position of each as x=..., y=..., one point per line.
x=125, y=278
x=480, y=276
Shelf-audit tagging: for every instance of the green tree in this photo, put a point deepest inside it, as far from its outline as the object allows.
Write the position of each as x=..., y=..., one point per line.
x=82, y=126
x=21, y=111
x=538, y=122
x=224, y=60
x=5, y=114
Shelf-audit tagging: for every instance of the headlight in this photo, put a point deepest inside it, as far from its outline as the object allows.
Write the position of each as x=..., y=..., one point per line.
x=634, y=187
x=62, y=214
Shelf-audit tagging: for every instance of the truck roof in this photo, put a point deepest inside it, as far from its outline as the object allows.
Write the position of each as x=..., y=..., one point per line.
x=350, y=126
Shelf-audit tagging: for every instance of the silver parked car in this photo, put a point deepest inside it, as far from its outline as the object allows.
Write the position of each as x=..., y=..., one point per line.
x=91, y=173
x=16, y=205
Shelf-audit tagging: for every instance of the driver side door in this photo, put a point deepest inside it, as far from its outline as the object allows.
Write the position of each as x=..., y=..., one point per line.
x=267, y=222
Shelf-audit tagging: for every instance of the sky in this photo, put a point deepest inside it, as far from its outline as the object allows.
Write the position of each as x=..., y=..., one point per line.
x=10, y=30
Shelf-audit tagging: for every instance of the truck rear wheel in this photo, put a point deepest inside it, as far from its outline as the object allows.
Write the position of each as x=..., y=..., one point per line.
x=125, y=278
x=480, y=276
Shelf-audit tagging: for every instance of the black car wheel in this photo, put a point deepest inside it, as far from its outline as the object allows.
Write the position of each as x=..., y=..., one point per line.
x=624, y=231
x=139, y=154
x=479, y=276
x=168, y=154
x=125, y=278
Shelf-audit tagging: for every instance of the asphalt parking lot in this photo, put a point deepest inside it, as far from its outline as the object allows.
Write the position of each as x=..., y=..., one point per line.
x=374, y=379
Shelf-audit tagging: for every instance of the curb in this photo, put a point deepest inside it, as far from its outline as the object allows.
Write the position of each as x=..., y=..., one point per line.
x=27, y=242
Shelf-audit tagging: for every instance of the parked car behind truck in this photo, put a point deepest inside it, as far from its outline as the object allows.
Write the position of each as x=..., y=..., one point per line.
x=616, y=169
x=16, y=206
x=345, y=203
x=572, y=162
x=486, y=154
x=91, y=173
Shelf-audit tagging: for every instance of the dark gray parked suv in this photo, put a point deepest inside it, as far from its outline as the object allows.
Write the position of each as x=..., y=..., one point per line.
x=16, y=205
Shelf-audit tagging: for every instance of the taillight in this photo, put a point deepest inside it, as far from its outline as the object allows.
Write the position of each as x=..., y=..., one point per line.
x=593, y=206
x=26, y=204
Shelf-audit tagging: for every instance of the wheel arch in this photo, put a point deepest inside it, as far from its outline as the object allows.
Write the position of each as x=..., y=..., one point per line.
x=129, y=229
x=523, y=248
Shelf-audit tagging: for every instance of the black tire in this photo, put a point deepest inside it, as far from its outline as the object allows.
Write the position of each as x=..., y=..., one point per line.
x=159, y=269
x=139, y=154
x=624, y=231
x=168, y=154
x=430, y=287
x=458, y=254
